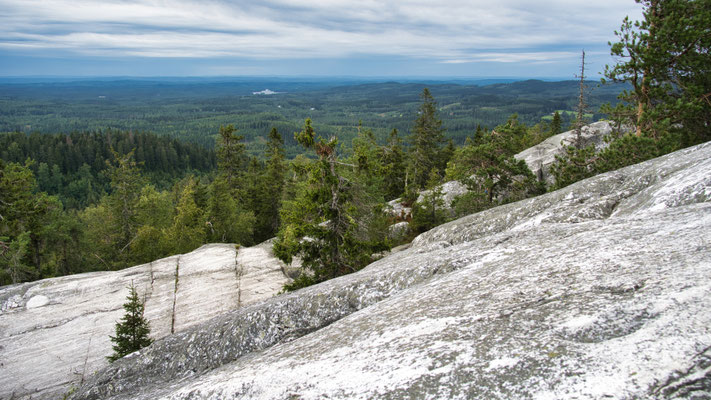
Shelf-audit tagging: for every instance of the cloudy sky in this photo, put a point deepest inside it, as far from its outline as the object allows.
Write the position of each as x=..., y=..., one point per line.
x=386, y=38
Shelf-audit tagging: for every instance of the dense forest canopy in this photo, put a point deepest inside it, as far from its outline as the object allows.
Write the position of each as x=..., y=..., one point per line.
x=194, y=110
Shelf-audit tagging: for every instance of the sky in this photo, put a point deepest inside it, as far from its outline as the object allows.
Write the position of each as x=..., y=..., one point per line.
x=365, y=38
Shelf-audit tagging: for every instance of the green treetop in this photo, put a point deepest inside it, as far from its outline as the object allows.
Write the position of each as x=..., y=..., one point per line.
x=231, y=157
x=666, y=58
x=426, y=141
x=132, y=332
x=556, y=124
x=322, y=224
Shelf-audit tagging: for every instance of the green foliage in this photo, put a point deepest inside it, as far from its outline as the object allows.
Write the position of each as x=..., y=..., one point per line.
x=188, y=229
x=393, y=161
x=227, y=222
x=231, y=157
x=487, y=166
x=73, y=166
x=24, y=217
x=273, y=182
x=577, y=164
x=324, y=224
x=126, y=184
x=132, y=332
x=12, y=265
x=666, y=58
x=429, y=212
x=426, y=141
x=556, y=124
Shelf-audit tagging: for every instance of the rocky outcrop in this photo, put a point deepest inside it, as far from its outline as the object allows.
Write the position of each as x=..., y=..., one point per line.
x=54, y=333
x=540, y=157
x=450, y=191
x=598, y=290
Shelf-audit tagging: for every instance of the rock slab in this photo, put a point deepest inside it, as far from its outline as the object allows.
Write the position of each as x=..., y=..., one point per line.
x=540, y=157
x=54, y=333
x=598, y=290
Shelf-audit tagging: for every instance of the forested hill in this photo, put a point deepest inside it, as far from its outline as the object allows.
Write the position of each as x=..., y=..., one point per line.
x=73, y=166
x=193, y=109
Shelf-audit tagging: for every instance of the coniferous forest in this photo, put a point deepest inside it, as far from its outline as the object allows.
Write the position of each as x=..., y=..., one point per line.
x=85, y=185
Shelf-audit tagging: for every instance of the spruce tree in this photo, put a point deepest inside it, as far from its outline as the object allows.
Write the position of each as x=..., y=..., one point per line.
x=132, y=332
x=231, y=158
x=274, y=183
x=426, y=141
x=556, y=124
x=126, y=184
x=393, y=160
x=188, y=229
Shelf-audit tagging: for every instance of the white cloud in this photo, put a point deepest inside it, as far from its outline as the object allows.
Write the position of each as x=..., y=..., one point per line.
x=451, y=31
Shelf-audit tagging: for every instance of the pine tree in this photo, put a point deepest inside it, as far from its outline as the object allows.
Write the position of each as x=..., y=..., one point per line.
x=666, y=58
x=487, y=166
x=24, y=214
x=132, y=332
x=426, y=141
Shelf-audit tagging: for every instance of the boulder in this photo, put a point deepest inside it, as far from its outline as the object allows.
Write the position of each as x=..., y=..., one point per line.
x=399, y=230
x=54, y=333
x=395, y=209
x=450, y=190
x=540, y=157
x=599, y=290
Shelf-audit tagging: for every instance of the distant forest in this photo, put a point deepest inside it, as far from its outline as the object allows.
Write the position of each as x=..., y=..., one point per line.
x=193, y=110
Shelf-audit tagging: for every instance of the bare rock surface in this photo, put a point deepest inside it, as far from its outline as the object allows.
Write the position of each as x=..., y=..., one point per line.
x=540, y=157
x=598, y=290
x=450, y=190
x=54, y=333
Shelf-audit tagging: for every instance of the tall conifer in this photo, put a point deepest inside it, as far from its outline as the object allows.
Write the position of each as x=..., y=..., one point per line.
x=426, y=140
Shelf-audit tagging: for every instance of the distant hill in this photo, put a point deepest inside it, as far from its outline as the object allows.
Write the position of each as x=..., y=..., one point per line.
x=193, y=109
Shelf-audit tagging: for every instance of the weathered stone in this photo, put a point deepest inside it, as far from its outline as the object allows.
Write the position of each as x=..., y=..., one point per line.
x=540, y=157
x=397, y=210
x=598, y=290
x=450, y=190
x=54, y=333
x=399, y=230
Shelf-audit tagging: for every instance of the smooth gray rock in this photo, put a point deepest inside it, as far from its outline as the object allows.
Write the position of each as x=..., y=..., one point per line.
x=54, y=333
x=399, y=230
x=598, y=290
x=540, y=157
x=450, y=190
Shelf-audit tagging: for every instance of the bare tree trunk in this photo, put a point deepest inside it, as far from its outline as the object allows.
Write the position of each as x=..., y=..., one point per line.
x=581, y=106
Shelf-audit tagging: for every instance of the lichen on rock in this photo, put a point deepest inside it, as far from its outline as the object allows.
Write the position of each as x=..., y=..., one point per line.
x=598, y=290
